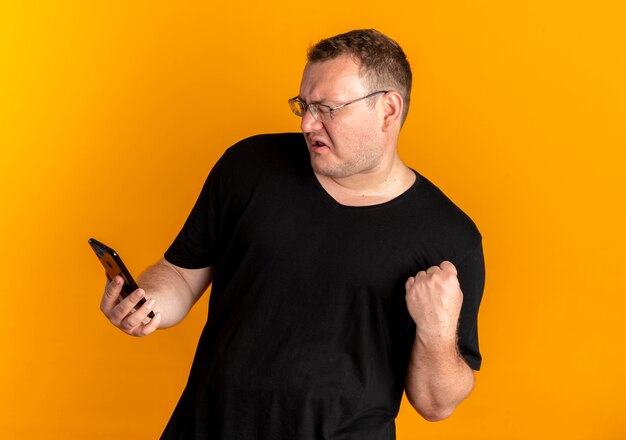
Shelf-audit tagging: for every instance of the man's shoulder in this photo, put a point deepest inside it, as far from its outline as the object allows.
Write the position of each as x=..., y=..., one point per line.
x=444, y=214
x=267, y=143
x=264, y=155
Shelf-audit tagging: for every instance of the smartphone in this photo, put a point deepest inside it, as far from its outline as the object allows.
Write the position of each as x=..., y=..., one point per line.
x=114, y=266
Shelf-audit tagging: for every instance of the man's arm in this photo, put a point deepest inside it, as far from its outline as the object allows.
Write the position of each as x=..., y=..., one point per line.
x=170, y=291
x=438, y=378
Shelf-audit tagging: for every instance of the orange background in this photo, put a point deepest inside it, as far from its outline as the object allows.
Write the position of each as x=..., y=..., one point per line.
x=112, y=113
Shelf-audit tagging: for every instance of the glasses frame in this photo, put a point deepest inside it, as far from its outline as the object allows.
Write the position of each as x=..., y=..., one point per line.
x=299, y=107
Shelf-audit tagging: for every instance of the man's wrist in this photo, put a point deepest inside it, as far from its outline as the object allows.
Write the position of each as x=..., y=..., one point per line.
x=442, y=345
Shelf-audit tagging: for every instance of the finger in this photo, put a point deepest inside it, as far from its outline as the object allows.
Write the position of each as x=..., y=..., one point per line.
x=446, y=266
x=150, y=327
x=409, y=283
x=136, y=318
x=111, y=294
x=433, y=269
x=125, y=306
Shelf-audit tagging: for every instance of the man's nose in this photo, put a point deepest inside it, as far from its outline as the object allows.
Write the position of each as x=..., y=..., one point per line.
x=309, y=123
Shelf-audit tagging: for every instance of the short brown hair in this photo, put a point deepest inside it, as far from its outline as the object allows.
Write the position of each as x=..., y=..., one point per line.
x=382, y=60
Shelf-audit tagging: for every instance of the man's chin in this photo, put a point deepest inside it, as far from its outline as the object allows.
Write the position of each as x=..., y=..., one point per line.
x=325, y=170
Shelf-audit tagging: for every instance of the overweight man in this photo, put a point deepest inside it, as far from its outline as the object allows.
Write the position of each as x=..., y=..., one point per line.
x=341, y=277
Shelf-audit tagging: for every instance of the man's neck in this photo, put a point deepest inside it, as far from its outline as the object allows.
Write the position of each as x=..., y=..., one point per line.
x=370, y=188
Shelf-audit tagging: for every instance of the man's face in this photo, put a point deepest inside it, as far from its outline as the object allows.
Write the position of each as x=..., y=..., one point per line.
x=351, y=142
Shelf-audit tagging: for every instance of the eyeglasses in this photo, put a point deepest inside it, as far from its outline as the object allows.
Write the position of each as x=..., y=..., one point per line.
x=319, y=111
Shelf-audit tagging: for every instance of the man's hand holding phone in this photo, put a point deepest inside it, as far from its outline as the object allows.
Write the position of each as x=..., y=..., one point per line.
x=122, y=313
x=123, y=302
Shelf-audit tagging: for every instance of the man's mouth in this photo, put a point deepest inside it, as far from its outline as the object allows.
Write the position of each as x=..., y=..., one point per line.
x=318, y=144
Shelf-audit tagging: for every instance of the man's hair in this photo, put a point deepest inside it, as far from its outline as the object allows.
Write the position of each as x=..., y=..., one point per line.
x=382, y=61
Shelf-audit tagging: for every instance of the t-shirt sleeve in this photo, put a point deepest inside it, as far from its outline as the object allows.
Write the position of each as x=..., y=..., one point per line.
x=196, y=243
x=471, y=274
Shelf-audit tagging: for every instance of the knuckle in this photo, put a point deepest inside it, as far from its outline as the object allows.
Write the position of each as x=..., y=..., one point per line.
x=108, y=290
x=116, y=316
x=451, y=278
x=112, y=287
x=448, y=267
x=147, y=328
x=108, y=312
x=137, y=295
x=145, y=331
x=128, y=324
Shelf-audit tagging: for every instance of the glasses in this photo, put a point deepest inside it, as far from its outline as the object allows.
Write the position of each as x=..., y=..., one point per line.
x=319, y=111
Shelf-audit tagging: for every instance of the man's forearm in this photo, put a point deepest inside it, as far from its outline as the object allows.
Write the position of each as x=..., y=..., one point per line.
x=174, y=294
x=438, y=379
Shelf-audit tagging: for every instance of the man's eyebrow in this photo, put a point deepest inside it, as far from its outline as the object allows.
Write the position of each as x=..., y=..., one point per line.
x=318, y=101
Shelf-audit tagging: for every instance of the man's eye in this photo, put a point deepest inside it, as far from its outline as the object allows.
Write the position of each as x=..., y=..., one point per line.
x=322, y=109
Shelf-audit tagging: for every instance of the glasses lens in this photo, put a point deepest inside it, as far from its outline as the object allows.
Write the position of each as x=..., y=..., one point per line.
x=297, y=106
x=322, y=112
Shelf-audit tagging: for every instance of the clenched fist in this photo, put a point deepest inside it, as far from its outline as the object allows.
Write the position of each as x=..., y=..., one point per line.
x=434, y=299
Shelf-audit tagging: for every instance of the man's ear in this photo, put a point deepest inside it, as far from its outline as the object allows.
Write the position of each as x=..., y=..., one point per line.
x=393, y=104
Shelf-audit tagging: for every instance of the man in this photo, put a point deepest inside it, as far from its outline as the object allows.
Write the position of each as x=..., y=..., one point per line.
x=341, y=277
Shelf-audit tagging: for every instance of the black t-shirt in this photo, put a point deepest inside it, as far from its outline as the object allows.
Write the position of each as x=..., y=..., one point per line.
x=308, y=335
